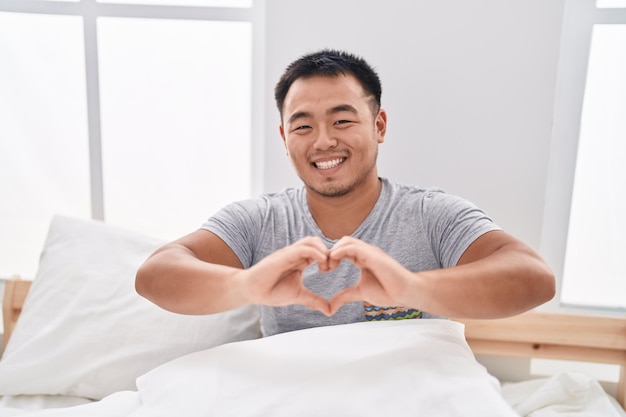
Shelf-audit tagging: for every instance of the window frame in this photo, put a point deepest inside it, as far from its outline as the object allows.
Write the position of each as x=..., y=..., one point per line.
x=91, y=10
x=579, y=18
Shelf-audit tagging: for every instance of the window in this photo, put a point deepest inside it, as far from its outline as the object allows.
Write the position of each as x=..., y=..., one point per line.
x=136, y=114
x=44, y=165
x=175, y=108
x=611, y=3
x=594, y=273
x=583, y=223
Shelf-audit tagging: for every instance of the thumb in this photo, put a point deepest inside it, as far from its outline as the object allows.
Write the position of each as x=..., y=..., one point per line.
x=345, y=296
x=314, y=302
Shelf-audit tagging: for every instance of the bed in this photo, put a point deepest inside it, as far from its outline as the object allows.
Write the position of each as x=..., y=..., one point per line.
x=80, y=342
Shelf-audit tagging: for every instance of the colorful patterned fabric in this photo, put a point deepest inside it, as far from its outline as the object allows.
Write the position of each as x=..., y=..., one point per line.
x=374, y=313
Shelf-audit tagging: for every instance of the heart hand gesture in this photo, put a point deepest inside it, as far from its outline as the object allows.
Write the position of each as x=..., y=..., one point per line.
x=383, y=281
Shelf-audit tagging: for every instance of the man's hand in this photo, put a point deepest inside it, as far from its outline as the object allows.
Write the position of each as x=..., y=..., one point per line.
x=383, y=281
x=277, y=279
x=497, y=276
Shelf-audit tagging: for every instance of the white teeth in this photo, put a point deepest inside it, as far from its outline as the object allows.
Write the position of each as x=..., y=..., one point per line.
x=329, y=164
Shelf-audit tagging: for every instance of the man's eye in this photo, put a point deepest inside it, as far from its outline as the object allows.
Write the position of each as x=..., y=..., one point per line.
x=342, y=122
x=303, y=127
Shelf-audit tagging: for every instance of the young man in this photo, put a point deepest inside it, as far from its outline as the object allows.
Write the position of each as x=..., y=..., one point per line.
x=348, y=246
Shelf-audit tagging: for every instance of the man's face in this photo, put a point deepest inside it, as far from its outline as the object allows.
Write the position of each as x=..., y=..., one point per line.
x=331, y=134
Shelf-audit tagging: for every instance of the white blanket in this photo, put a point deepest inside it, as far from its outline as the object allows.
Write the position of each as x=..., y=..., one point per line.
x=416, y=367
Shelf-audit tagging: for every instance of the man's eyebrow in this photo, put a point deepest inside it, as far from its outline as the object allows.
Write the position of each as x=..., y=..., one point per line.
x=298, y=115
x=342, y=108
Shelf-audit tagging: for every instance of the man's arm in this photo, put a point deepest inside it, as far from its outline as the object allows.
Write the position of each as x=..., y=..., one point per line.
x=192, y=275
x=200, y=274
x=497, y=276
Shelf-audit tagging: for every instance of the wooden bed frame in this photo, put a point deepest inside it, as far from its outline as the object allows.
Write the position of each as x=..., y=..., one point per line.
x=534, y=334
x=15, y=291
x=530, y=335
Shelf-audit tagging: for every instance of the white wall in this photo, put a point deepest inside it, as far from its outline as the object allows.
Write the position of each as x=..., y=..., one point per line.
x=468, y=86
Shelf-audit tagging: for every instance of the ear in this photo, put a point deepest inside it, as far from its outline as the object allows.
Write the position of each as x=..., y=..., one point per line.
x=381, y=125
x=281, y=129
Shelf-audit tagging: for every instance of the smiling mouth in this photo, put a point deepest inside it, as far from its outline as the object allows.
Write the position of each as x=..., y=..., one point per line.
x=329, y=164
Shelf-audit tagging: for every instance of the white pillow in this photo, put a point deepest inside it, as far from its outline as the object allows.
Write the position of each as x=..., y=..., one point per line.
x=85, y=332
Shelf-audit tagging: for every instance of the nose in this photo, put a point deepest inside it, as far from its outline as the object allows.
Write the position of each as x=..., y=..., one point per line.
x=324, y=140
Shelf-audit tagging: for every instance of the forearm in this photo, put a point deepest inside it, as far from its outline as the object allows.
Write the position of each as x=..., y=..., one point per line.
x=176, y=280
x=511, y=280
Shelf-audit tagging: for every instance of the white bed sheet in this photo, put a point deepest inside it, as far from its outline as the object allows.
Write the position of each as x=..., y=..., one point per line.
x=119, y=404
x=565, y=394
x=423, y=367
x=39, y=402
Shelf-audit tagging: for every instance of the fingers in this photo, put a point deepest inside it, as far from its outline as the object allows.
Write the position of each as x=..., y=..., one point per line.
x=352, y=249
x=343, y=297
x=382, y=281
x=277, y=279
x=282, y=272
x=314, y=302
x=311, y=249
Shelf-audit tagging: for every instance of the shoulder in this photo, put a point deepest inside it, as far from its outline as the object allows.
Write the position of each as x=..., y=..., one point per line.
x=287, y=202
x=288, y=197
x=264, y=205
x=245, y=223
x=430, y=201
x=400, y=193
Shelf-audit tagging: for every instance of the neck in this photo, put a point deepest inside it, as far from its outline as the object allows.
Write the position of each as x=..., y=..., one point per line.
x=341, y=216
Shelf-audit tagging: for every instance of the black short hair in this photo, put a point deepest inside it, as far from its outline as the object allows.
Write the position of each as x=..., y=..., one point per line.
x=329, y=62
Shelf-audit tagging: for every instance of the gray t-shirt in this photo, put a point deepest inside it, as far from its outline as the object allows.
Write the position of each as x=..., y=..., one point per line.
x=423, y=229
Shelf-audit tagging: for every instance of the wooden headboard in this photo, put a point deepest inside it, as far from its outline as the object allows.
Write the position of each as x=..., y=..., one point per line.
x=553, y=336
x=15, y=291
x=530, y=335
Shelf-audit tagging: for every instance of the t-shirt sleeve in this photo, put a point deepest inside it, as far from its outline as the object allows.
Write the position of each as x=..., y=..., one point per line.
x=452, y=224
x=239, y=225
